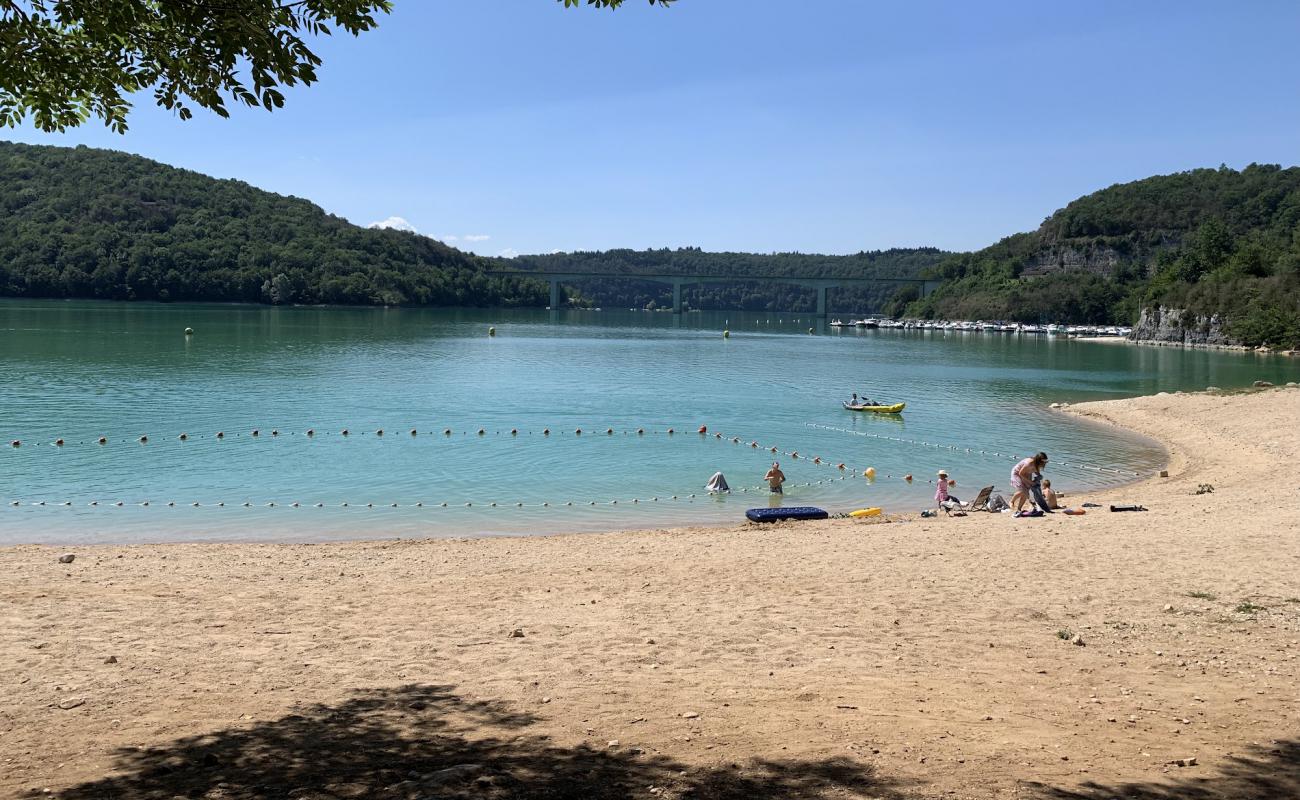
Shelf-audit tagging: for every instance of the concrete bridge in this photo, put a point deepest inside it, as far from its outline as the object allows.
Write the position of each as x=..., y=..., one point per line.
x=678, y=281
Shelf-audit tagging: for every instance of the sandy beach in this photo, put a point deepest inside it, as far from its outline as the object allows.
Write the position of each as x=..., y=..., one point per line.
x=1146, y=655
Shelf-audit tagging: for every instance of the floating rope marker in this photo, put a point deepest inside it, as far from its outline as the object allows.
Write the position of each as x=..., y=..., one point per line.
x=103, y=440
x=58, y=442
x=182, y=437
x=379, y=432
x=256, y=432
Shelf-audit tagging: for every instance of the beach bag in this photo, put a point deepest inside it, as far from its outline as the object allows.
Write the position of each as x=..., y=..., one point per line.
x=998, y=504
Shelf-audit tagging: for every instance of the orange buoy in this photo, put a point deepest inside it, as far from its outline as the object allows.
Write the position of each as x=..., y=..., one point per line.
x=840, y=465
x=704, y=429
x=907, y=478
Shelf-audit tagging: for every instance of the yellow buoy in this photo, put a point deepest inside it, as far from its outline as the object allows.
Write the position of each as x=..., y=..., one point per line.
x=726, y=334
x=869, y=473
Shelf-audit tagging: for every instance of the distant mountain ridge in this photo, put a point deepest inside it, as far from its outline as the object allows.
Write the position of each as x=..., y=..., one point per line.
x=906, y=263
x=82, y=222
x=1217, y=246
x=1217, y=242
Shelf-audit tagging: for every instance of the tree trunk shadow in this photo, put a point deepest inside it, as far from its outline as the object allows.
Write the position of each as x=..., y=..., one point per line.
x=422, y=741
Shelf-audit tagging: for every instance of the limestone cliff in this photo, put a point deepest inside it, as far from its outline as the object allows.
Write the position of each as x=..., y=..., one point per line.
x=1179, y=326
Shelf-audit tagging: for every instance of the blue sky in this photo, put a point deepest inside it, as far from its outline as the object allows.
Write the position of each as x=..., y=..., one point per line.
x=761, y=125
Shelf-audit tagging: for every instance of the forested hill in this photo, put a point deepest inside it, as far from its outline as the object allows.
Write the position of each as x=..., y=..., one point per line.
x=740, y=295
x=1213, y=241
x=101, y=224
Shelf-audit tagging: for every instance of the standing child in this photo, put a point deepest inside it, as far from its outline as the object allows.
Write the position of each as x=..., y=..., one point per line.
x=941, y=495
x=775, y=477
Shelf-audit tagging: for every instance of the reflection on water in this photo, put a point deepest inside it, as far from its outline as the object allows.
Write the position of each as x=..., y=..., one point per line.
x=79, y=370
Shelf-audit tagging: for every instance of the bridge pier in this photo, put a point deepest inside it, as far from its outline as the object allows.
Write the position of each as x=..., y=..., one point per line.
x=677, y=297
x=555, y=294
x=821, y=302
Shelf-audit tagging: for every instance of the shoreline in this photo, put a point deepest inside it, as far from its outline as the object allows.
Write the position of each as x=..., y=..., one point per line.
x=983, y=656
x=1227, y=348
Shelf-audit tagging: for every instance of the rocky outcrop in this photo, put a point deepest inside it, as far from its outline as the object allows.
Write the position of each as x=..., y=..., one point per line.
x=1179, y=326
x=1100, y=260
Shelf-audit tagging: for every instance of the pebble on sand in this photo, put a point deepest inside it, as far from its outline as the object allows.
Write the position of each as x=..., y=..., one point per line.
x=67, y=558
x=517, y=633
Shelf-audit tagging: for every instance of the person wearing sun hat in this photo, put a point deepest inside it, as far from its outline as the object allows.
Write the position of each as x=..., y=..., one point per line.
x=941, y=495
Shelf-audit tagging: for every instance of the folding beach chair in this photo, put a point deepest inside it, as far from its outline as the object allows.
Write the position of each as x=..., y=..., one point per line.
x=980, y=503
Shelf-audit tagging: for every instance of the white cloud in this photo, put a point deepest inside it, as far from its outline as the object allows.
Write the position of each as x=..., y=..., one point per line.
x=395, y=223
x=477, y=237
x=509, y=252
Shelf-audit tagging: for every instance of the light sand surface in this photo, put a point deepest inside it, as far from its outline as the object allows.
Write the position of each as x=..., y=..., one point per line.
x=911, y=658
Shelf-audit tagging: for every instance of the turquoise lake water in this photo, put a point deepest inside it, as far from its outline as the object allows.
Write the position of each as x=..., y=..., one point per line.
x=82, y=370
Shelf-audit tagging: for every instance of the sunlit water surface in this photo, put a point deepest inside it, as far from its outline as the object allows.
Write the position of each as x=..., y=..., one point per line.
x=81, y=370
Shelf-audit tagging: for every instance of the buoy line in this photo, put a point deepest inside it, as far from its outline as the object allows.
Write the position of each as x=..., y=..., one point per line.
x=679, y=498
x=968, y=450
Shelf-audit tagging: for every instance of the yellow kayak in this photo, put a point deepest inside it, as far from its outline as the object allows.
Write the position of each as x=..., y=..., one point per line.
x=894, y=409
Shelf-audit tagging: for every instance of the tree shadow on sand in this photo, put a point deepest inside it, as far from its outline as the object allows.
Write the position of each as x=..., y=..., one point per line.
x=428, y=742
x=1269, y=772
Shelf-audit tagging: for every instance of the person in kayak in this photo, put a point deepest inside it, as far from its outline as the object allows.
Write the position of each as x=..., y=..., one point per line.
x=775, y=477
